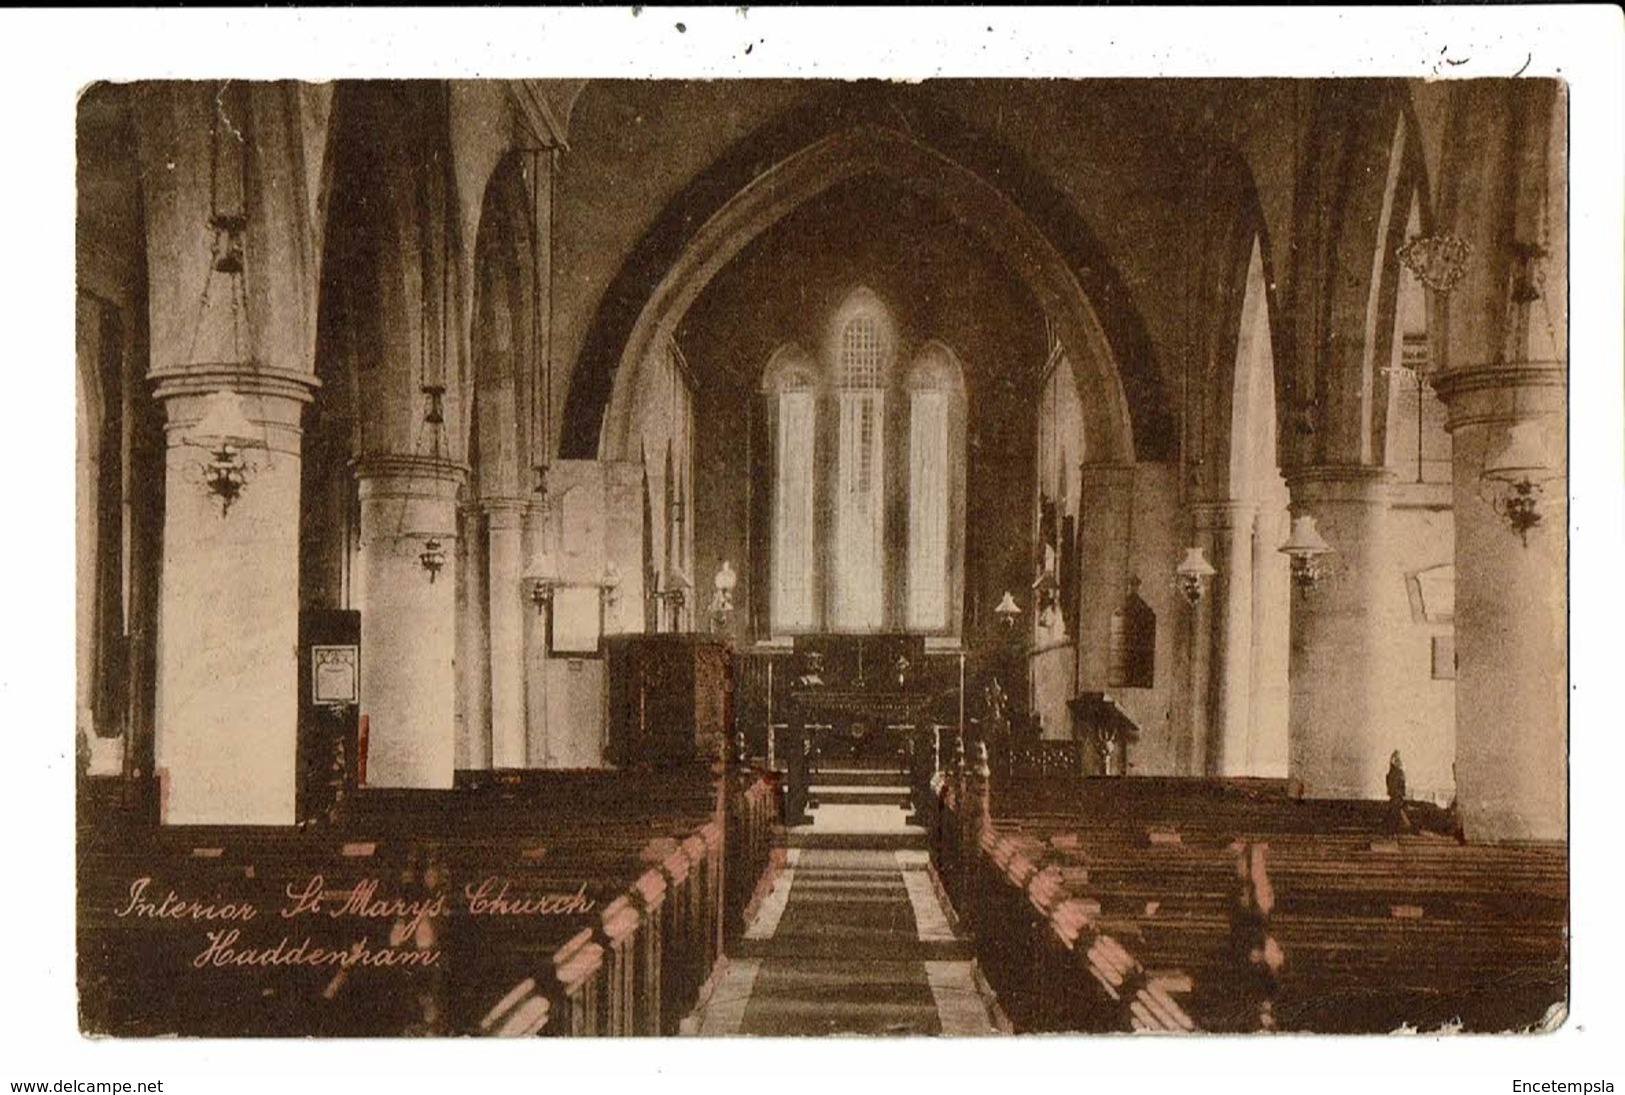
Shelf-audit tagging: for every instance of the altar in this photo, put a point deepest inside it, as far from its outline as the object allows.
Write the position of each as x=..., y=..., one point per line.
x=877, y=702
x=861, y=724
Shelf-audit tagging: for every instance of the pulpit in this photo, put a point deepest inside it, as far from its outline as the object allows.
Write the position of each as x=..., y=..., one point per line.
x=669, y=701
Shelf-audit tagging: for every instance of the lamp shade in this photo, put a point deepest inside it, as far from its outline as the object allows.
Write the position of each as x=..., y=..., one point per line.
x=677, y=581
x=726, y=580
x=612, y=576
x=543, y=568
x=1306, y=541
x=1524, y=456
x=1007, y=609
x=1194, y=565
x=223, y=422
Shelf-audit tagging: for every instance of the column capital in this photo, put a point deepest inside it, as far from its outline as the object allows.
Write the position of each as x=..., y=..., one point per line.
x=1502, y=394
x=502, y=513
x=1339, y=482
x=1104, y=472
x=272, y=399
x=425, y=486
x=242, y=377
x=1228, y=514
x=411, y=470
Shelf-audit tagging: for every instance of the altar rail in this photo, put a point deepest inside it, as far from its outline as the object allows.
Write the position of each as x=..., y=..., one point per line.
x=763, y=677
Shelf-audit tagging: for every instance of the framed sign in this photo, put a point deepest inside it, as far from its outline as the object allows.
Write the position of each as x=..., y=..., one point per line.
x=335, y=674
x=576, y=623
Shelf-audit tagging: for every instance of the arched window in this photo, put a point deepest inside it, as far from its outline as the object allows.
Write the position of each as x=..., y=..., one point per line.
x=935, y=463
x=789, y=384
x=859, y=572
x=862, y=524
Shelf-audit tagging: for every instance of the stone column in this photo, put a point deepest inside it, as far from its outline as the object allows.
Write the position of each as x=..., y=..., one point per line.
x=473, y=642
x=227, y=691
x=504, y=522
x=1501, y=341
x=408, y=619
x=1340, y=736
x=226, y=702
x=539, y=529
x=1511, y=624
x=1225, y=529
x=1272, y=606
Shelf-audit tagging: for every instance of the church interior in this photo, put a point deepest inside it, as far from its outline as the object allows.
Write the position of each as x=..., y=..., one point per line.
x=649, y=557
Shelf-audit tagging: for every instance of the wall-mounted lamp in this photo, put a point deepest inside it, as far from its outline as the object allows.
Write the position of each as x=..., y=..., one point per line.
x=1515, y=476
x=433, y=557
x=1192, y=573
x=610, y=584
x=1007, y=610
x=1304, y=547
x=1047, y=595
x=542, y=572
x=722, y=595
x=224, y=430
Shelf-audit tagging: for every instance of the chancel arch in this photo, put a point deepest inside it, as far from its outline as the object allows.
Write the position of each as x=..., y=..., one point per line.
x=497, y=513
x=870, y=150
x=1411, y=439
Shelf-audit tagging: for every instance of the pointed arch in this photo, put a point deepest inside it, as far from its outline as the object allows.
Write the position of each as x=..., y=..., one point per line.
x=1363, y=151
x=503, y=336
x=596, y=415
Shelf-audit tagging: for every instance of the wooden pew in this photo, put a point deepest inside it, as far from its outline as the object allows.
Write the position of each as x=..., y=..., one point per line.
x=1372, y=930
x=656, y=852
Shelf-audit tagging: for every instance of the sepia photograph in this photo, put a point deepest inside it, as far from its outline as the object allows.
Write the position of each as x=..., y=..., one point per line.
x=978, y=555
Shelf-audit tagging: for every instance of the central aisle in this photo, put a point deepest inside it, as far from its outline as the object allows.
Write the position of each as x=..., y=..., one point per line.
x=852, y=940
